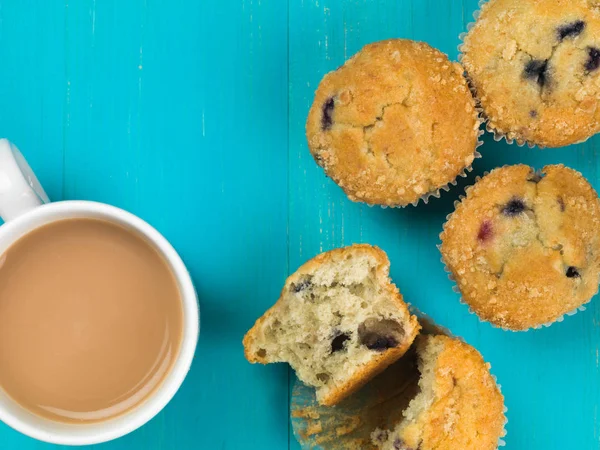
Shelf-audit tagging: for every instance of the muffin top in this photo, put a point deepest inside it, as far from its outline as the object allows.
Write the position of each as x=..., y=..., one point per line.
x=535, y=67
x=524, y=247
x=459, y=405
x=396, y=122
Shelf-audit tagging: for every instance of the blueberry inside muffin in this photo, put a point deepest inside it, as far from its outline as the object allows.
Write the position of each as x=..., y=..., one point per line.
x=338, y=323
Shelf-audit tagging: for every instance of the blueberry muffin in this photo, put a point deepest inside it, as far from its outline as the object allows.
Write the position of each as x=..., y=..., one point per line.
x=458, y=406
x=534, y=65
x=439, y=395
x=339, y=322
x=524, y=247
x=396, y=123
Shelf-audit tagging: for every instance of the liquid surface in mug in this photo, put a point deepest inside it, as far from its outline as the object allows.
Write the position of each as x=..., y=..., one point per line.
x=90, y=320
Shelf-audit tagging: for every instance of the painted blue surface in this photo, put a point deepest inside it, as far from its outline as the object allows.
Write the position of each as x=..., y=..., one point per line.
x=190, y=113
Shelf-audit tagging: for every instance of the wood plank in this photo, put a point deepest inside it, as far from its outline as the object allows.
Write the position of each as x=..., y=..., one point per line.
x=178, y=111
x=32, y=86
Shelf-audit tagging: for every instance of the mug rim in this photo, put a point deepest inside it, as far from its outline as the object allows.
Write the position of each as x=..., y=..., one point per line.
x=103, y=431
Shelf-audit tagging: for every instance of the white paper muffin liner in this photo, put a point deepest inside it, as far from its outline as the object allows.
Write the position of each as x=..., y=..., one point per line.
x=457, y=290
x=301, y=425
x=497, y=134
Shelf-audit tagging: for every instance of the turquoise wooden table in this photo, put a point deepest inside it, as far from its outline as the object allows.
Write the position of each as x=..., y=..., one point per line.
x=191, y=114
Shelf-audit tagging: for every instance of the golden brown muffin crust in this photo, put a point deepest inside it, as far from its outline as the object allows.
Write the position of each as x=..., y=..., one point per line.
x=534, y=65
x=467, y=410
x=524, y=249
x=394, y=123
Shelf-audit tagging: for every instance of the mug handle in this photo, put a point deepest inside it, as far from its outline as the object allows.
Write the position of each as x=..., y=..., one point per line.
x=20, y=190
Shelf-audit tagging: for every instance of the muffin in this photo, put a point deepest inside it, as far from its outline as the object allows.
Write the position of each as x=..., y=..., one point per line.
x=459, y=405
x=524, y=247
x=395, y=124
x=351, y=423
x=339, y=322
x=534, y=66
x=440, y=395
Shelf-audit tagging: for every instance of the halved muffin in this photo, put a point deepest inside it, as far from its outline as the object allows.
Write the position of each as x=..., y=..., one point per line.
x=339, y=322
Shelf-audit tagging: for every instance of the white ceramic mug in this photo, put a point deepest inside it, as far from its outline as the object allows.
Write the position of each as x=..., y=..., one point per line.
x=25, y=206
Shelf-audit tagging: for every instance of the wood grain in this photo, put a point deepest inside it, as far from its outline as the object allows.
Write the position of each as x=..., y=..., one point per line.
x=191, y=114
